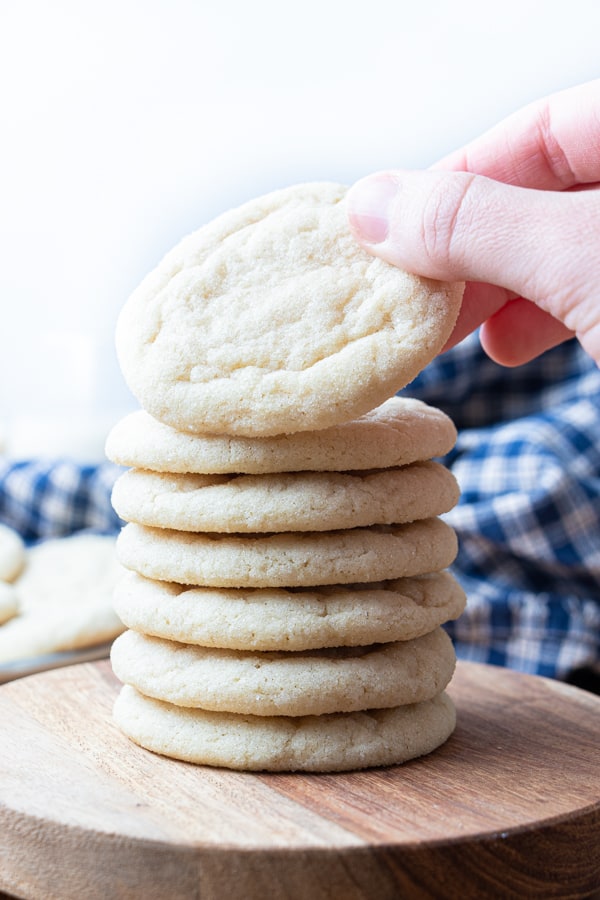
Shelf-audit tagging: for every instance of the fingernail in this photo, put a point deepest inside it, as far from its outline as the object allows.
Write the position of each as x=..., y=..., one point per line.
x=369, y=204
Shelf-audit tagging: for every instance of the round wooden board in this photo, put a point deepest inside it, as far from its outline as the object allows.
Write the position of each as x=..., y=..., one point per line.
x=509, y=807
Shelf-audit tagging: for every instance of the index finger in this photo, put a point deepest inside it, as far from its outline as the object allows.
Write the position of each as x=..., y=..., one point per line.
x=551, y=144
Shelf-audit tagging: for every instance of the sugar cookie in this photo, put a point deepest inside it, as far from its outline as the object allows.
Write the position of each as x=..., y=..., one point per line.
x=299, y=559
x=64, y=598
x=272, y=319
x=331, y=743
x=276, y=619
x=400, y=431
x=298, y=501
x=12, y=553
x=8, y=602
x=313, y=682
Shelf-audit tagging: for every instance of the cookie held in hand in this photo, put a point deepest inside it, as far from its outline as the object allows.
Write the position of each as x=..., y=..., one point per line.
x=272, y=319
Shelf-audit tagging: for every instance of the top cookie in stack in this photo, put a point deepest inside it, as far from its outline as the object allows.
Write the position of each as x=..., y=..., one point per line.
x=286, y=552
x=272, y=320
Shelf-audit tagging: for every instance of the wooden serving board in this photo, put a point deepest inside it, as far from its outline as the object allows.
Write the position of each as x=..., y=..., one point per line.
x=509, y=807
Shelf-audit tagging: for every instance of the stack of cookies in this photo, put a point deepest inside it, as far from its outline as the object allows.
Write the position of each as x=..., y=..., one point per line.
x=286, y=589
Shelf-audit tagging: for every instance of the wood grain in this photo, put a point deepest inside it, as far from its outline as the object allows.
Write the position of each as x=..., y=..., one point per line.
x=509, y=807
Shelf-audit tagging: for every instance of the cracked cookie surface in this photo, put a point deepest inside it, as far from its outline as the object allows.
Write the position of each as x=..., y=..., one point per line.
x=335, y=742
x=289, y=559
x=280, y=619
x=271, y=319
x=299, y=501
x=399, y=432
x=313, y=682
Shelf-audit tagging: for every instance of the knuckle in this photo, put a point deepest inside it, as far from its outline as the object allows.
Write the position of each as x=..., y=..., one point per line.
x=445, y=221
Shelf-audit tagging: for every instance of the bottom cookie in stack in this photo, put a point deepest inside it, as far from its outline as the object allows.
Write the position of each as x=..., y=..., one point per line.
x=335, y=742
x=288, y=618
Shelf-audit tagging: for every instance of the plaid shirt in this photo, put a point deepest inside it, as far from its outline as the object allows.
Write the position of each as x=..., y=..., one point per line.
x=528, y=463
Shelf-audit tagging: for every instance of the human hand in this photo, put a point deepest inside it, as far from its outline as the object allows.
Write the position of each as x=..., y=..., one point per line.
x=516, y=214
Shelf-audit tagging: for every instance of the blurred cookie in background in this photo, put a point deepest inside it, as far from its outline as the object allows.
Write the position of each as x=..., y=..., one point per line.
x=64, y=598
x=12, y=553
x=8, y=602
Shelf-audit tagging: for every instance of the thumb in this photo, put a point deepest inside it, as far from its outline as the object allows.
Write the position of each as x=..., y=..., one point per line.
x=541, y=245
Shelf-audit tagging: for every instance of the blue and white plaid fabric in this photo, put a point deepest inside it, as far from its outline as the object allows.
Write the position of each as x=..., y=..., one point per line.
x=528, y=463
x=45, y=498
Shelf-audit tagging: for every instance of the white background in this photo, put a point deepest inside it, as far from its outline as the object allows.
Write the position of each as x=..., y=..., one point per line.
x=127, y=123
